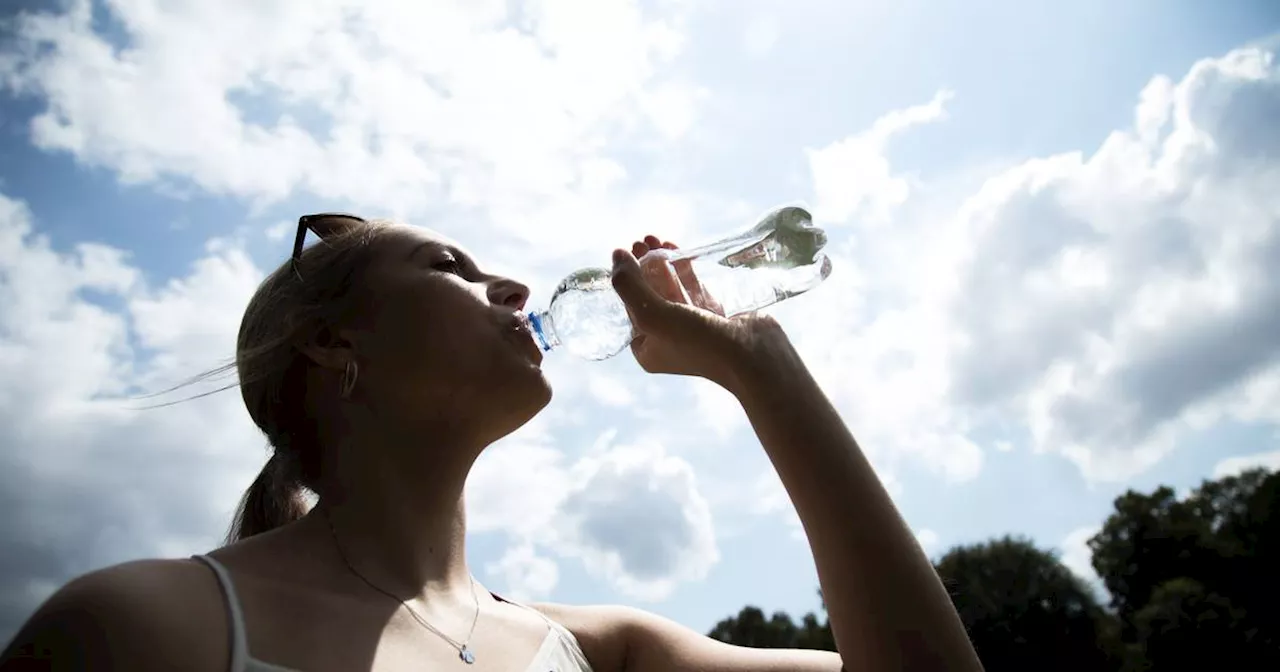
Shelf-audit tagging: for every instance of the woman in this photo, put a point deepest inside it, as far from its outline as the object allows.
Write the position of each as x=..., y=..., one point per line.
x=380, y=363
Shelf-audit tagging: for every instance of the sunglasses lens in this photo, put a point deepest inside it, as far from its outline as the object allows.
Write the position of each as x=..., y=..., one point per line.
x=324, y=226
x=332, y=225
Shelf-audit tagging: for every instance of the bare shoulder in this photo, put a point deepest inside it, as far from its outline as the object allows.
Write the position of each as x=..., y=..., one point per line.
x=141, y=615
x=598, y=629
x=623, y=639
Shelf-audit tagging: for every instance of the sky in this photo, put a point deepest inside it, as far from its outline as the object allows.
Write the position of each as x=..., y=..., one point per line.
x=1053, y=228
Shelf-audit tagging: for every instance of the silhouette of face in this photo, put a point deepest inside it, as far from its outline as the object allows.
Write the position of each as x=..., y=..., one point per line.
x=441, y=345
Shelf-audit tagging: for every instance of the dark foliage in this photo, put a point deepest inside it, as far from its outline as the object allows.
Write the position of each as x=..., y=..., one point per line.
x=1192, y=583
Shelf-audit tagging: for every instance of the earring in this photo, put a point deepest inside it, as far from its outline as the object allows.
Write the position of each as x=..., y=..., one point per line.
x=349, y=375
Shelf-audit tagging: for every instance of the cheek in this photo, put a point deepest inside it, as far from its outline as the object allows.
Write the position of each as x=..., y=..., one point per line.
x=434, y=346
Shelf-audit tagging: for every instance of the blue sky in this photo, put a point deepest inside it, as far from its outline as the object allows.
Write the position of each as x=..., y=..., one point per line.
x=1050, y=224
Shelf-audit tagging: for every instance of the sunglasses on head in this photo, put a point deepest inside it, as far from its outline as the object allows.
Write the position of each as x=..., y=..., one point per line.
x=324, y=225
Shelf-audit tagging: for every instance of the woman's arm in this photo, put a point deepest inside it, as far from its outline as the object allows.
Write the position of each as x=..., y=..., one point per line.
x=887, y=608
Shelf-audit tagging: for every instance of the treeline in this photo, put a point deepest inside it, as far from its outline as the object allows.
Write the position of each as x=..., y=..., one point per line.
x=1191, y=583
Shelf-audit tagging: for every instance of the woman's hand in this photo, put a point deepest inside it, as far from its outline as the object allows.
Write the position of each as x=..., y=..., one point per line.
x=680, y=327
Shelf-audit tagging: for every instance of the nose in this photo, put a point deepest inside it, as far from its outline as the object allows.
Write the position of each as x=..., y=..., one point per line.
x=508, y=292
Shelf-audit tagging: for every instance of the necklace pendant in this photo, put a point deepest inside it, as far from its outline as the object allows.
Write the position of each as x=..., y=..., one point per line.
x=466, y=655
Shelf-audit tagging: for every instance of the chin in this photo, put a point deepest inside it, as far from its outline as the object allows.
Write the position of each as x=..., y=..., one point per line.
x=526, y=395
x=541, y=395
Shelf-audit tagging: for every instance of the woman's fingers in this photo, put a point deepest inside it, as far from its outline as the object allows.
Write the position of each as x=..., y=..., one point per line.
x=684, y=287
x=643, y=299
x=693, y=287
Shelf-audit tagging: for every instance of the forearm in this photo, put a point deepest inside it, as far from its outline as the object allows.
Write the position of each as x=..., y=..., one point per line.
x=887, y=607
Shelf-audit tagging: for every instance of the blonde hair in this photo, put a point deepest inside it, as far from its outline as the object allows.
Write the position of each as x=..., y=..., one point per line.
x=289, y=307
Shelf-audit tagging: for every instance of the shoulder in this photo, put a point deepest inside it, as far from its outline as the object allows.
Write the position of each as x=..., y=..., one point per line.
x=625, y=639
x=600, y=631
x=141, y=615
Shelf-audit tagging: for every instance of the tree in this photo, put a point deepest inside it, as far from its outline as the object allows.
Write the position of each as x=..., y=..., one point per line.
x=1194, y=583
x=1243, y=516
x=751, y=628
x=1183, y=626
x=1197, y=574
x=1023, y=609
x=1149, y=540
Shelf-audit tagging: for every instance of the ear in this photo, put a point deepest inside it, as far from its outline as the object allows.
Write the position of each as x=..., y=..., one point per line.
x=329, y=347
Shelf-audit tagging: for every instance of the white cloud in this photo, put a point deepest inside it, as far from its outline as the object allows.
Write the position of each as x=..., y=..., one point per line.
x=1234, y=466
x=78, y=465
x=1122, y=298
x=852, y=177
x=631, y=514
x=280, y=229
x=637, y=519
x=928, y=540
x=767, y=496
x=609, y=390
x=1079, y=559
x=190, y=323
x=717, y=409
x=517, y=485
x=397, y=107
x=885, y=367
x=529, y=575
x=1108, y=303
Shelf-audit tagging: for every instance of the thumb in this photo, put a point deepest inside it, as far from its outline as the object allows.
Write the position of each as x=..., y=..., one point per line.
x=642, y=301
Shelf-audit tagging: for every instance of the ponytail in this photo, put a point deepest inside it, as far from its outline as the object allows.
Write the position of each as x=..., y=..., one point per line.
x=273, y=500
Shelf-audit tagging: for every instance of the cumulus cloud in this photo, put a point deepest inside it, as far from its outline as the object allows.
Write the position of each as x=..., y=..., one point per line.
x=1107, y=302
x=503, y=110
x=885, y=365
x=852, y=177
x=528, y=575
x=610, y=391
x=638, y=519
x=1079, y=559
x=632, y=514
x=87, y=479
x=1121, y=298
x=1234, y=466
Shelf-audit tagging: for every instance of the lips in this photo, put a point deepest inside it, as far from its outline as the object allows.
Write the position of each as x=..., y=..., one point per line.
x=524, y=332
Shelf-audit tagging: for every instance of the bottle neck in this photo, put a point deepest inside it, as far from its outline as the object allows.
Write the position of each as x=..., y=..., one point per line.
x=544, y=329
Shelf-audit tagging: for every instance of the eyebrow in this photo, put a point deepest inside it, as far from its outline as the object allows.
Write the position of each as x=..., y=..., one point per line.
x=419, y=247
x=462, y=257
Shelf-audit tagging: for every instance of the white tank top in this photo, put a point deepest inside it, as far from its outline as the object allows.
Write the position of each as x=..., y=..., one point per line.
x=559, y=652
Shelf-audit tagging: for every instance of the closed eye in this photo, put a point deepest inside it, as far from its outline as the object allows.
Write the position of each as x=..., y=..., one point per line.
x=449, y=265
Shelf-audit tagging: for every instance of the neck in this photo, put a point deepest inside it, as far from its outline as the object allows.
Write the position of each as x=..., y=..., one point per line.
x=403, y=530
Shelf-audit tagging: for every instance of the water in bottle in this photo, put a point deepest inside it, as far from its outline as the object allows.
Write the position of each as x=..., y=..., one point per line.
x=778, y=258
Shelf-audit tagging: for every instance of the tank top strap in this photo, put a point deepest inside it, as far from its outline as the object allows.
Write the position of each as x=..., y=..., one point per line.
x=235, y=616
x=566, y=636
x=550, y=623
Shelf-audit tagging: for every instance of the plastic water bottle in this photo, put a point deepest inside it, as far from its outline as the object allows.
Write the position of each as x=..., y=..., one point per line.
x=778, y=258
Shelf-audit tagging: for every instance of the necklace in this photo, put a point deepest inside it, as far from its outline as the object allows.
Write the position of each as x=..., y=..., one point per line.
x=464, y=651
